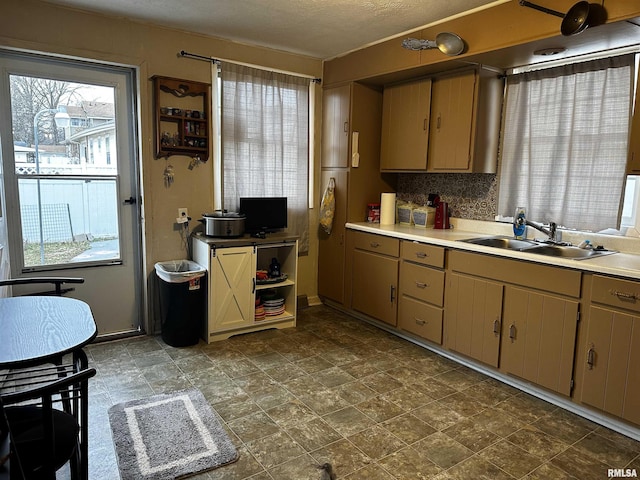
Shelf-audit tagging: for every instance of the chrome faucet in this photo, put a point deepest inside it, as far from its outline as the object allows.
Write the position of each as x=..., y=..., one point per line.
x=551, y=232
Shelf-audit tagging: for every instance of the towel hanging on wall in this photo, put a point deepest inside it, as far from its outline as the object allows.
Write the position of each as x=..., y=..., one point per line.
x=328, y=206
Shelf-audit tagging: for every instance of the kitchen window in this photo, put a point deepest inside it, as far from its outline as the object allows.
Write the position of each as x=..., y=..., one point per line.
x=265, y=140
x=565, y=141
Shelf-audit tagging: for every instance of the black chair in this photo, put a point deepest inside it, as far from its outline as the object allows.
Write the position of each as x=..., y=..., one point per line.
x=56, y=281
x=43, y=438
x=38, y=438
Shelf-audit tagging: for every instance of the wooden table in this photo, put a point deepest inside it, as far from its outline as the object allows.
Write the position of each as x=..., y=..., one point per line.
x=40, y=329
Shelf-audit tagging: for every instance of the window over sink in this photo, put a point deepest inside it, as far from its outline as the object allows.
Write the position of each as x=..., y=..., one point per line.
x=565, y=142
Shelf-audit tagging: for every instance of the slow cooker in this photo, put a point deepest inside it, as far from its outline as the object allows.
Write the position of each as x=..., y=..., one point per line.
x=223, y=224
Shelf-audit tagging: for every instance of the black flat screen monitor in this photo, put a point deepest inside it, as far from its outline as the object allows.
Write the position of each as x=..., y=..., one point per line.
x=264, y=214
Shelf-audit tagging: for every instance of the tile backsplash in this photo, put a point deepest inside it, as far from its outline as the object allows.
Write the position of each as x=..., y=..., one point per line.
x=472, y=196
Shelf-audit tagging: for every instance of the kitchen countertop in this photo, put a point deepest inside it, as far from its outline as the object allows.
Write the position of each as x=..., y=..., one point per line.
x=619, y=264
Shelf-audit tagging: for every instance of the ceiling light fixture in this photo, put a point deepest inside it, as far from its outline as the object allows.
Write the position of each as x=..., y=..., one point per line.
x=448, y=43
x=580, y=16
x=546, y=52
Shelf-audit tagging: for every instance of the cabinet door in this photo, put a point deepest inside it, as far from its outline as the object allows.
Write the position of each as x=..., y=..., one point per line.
x=375, y=285
x=610, y=382
x=405, y=126
x=539, y=335
x=335, y=126
x=331, y=247
x=232, y=288
x=633, y=162
x=472, y=317
x=451, y=128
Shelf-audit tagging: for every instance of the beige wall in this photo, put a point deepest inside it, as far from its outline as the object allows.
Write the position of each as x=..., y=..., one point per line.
x=41, y=27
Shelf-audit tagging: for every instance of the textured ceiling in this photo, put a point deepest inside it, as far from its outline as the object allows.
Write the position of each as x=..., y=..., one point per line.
x=317, y=28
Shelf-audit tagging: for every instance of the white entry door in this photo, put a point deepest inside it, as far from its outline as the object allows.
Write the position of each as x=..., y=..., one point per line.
x=70, y=180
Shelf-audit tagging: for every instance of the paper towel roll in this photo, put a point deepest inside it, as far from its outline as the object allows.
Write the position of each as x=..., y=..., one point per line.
x=387, y=209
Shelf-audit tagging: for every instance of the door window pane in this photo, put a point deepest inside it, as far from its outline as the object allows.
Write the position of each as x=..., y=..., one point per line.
x=76, y=220
x=67, y=181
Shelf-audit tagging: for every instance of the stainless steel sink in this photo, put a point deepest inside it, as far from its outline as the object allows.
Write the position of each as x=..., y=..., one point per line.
x=531, y=246
x=563, y=251
x=508, y=243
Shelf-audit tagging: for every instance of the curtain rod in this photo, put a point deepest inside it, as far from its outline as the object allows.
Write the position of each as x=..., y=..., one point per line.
x=218, y=60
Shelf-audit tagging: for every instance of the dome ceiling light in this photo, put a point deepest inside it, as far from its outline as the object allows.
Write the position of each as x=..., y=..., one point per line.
x=448, y=43
x=579, y=17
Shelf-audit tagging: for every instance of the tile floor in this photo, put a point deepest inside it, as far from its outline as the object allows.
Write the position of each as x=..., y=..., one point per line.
x=339, y=390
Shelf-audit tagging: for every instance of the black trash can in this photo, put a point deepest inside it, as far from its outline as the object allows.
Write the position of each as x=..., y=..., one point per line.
x=183, y=301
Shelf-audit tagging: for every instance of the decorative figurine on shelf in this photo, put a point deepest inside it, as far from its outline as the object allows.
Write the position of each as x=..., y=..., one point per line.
x=274, y=268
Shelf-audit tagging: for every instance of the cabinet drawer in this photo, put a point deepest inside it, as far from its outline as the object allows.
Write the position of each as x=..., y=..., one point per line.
x=376, y=243
x=420, y=319
x=423, y=283
x=616, y=292
x=422, y=253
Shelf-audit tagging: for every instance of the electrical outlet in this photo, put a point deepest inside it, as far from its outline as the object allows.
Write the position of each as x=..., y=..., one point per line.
x=183, y=213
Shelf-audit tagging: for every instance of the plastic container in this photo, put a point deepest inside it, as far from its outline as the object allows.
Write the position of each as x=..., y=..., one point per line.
x=519, y=225
x=373, y=212
x=424, y=216
x=182, y=296
x=404, y=214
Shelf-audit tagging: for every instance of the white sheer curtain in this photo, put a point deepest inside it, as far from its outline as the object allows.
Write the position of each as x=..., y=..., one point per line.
x=265, y=141
x=565, y=143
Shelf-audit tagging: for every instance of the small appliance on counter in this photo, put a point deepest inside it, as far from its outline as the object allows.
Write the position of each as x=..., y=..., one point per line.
x=223, y=224
x=442, y=216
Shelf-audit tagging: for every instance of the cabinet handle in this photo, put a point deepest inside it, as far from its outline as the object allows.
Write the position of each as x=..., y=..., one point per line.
x=591, y=356
x=624, y=295
x=421, y=284
x=424, y=125
x=393, y=293
x=421, y=255
x=374, y=244
x=439, y=121
x=419, y=321
x=512, y=332
x=346, y=127
x=496, y=326
x=254, y=286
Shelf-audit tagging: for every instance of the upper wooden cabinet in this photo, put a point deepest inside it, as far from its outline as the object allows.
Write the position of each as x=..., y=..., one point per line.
x=633, y=163
x=465, y=122
x=182, y=111
x=335, y=126
x=450, y=123
x=405, y=126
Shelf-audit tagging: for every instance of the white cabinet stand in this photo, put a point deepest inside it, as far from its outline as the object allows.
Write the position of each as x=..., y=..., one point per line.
x=233, y=290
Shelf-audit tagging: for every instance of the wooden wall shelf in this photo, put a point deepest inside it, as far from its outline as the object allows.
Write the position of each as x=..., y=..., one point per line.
x=182, y=112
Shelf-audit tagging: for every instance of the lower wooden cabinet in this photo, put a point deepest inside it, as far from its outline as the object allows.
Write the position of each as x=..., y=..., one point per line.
x=538, y=339
x=421, y=290
x=518, y=316
x=473, y=317
x=374, y=276
x=375, y=286
x=610, y=353
x=233, y=288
